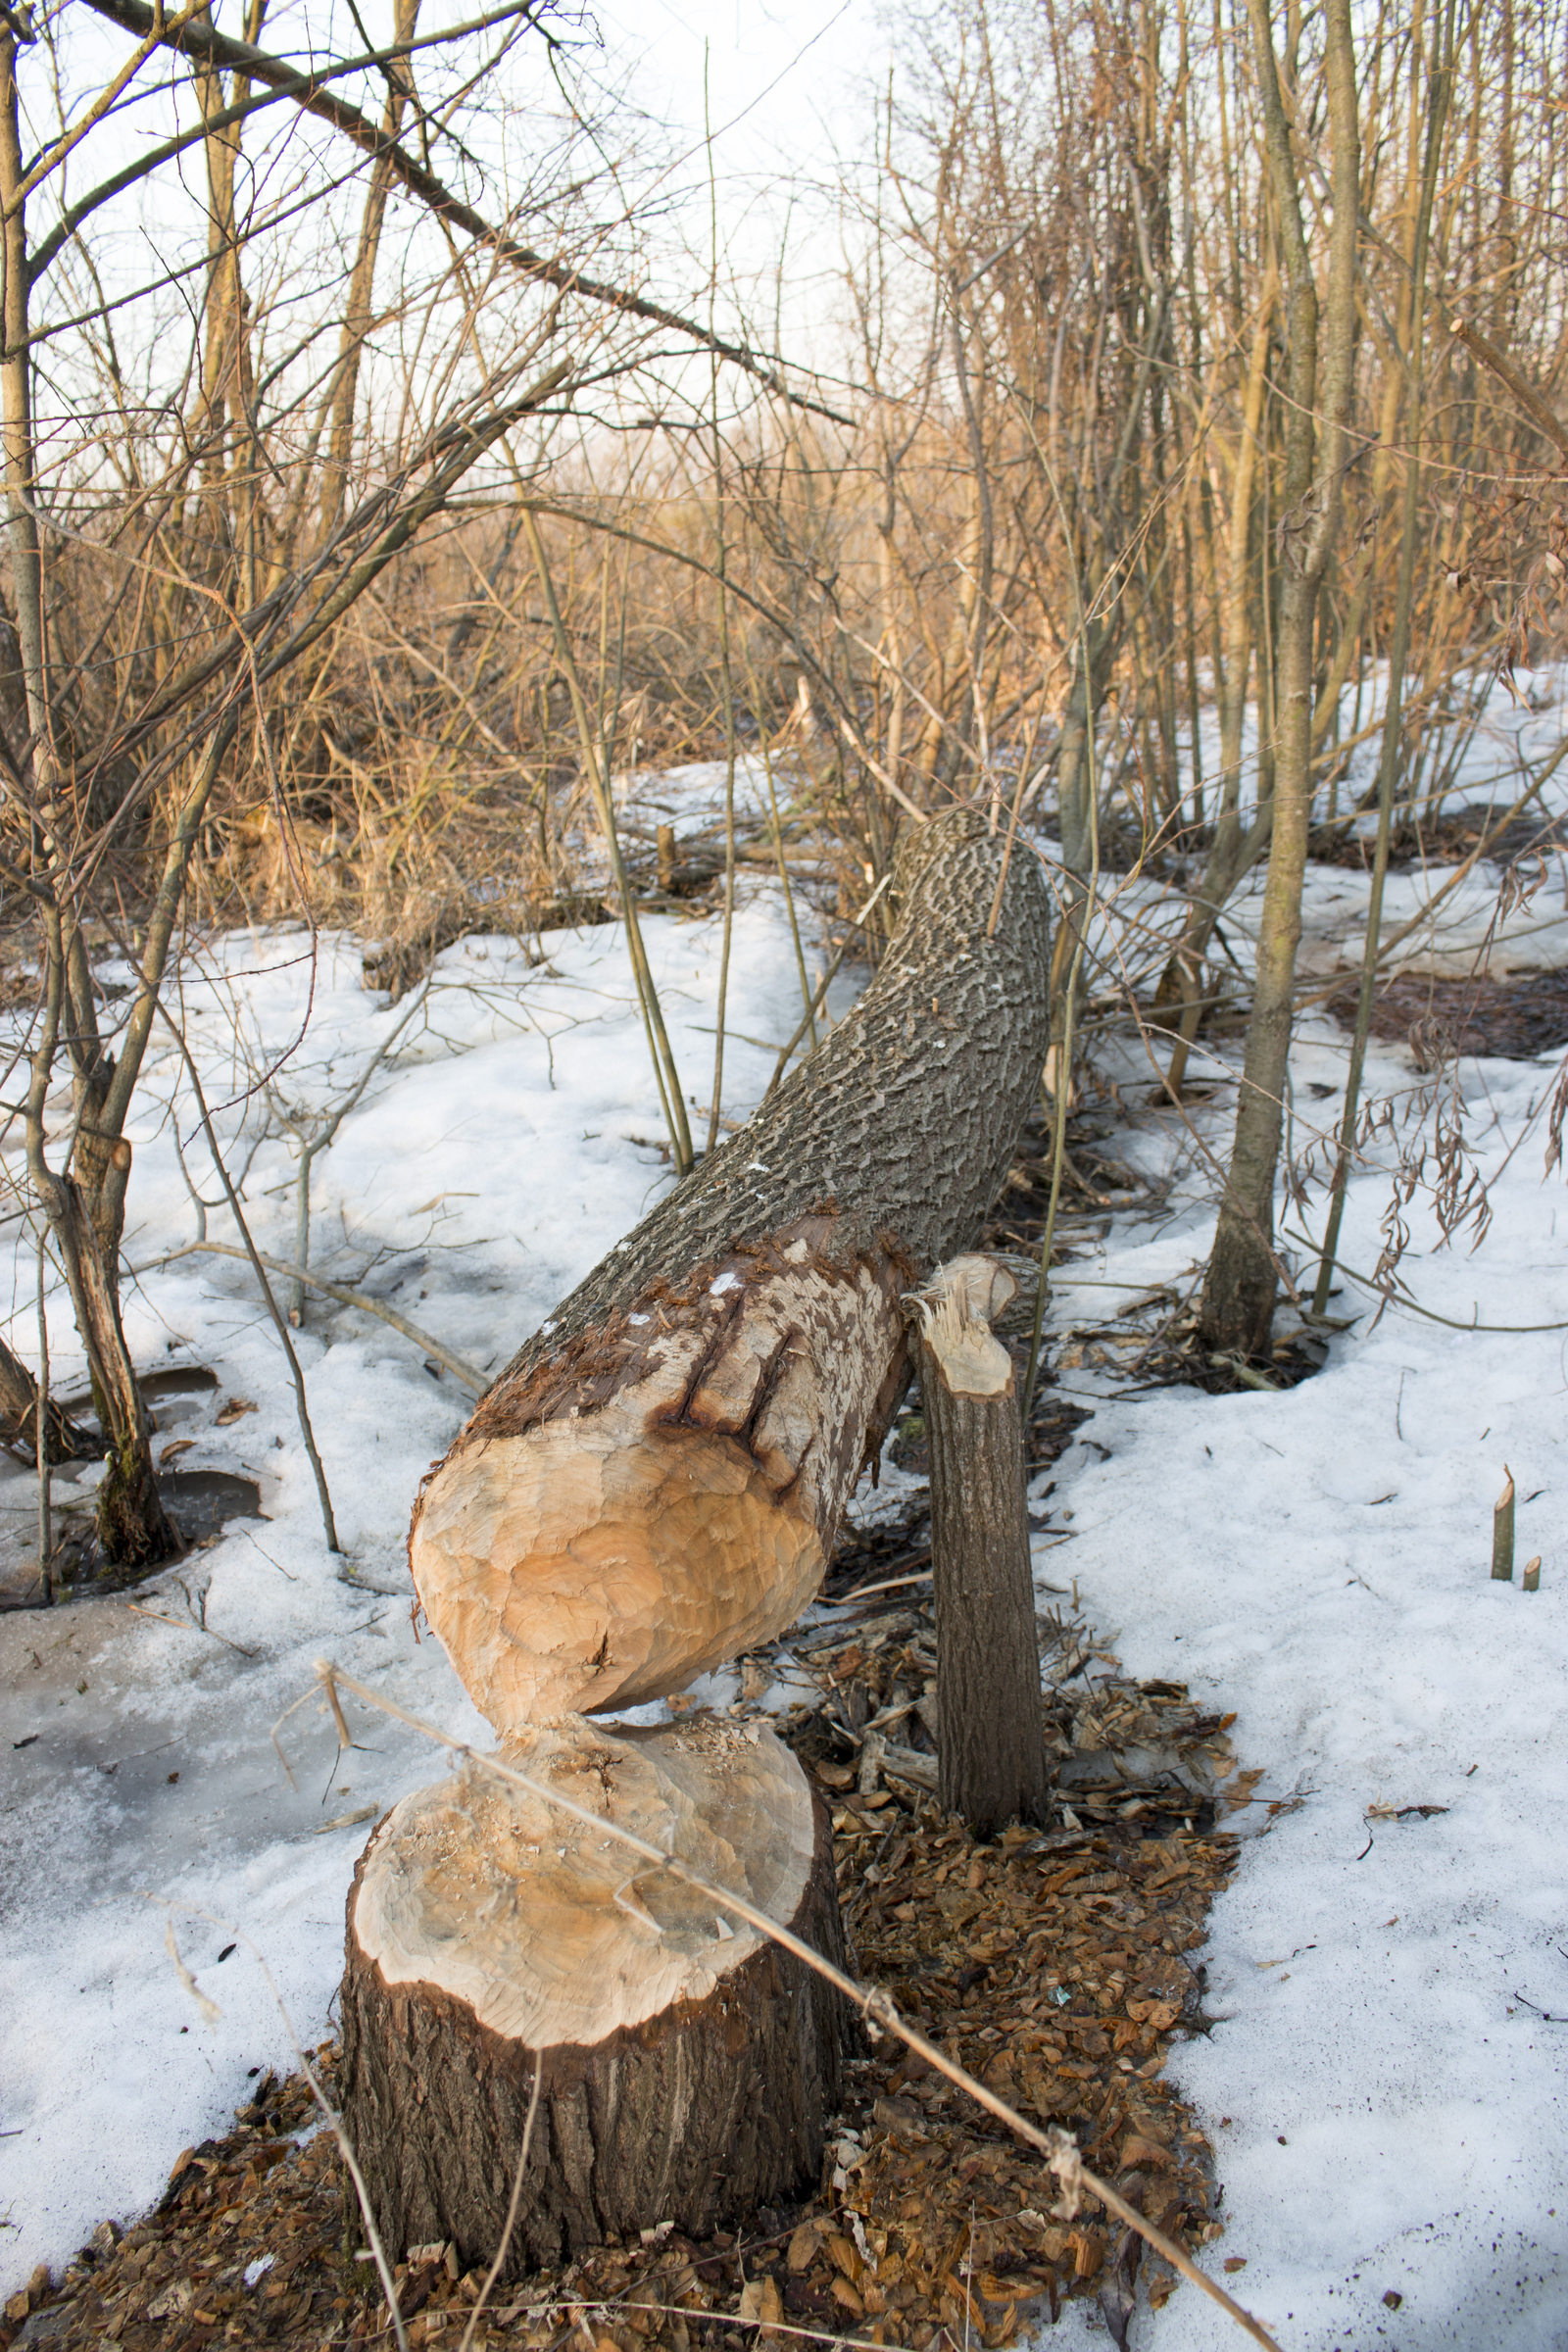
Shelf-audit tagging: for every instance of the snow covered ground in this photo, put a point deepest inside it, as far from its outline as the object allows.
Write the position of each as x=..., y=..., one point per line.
x=1384, y=2081
x=1384, y=2075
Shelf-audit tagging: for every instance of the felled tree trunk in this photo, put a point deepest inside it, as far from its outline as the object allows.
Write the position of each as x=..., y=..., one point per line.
x=991, y=1747
x=653, y=1485
x=656, y=1480
x=689, y=2064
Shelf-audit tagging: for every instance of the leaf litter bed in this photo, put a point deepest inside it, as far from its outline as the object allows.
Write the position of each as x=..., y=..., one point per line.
x=1049, y=1962
x=1515, y=1018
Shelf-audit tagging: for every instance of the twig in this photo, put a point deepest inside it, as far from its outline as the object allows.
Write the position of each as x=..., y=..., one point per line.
x=1429, y=1314
x=189, y=1625
x=306, y=1432
x=875, y=2004
x=459, y=1368
x=40, y=1426
x=665, y=1074
x=324, y=1139
x=863, y=1591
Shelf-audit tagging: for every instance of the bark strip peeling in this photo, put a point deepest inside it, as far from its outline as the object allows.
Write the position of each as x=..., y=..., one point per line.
x=656, y=1480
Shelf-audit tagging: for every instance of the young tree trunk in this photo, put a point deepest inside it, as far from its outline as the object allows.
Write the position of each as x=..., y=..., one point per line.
x=690, y=2065
x=1240, y=1284
x=991, y=1751
x=358, y=310
x=86, y=1225
x=654, y=1482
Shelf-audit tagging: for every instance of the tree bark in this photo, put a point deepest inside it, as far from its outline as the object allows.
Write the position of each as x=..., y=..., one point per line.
x=63, y=1442
x=991, y=1751
x=1241, y=1280
x=688, y=2071
x=654, y=1482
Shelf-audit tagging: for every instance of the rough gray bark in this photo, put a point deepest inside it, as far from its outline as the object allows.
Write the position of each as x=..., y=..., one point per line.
x=697, y=2116
x=898, y=1129
x=990, y=1732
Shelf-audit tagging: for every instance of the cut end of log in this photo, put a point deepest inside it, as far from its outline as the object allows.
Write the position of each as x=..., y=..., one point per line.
x=600, y=1563
x=591, y=1546
x=552, y=1935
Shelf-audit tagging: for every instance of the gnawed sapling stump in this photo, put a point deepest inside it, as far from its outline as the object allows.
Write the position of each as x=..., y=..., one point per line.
x=653, y=1485
x=991, y=1753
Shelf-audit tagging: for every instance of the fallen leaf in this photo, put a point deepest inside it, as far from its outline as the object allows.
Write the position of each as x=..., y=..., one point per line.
x=234, y=1410
x=844, y=2256
x=760, y=2302
x=173, y=1450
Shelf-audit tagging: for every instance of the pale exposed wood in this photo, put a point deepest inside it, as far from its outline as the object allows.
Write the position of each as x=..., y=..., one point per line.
x=606, y=1558
x=688, y=2073
x=559, y=1941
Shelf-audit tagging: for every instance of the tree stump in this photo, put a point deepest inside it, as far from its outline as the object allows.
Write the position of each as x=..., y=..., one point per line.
x=991, y=1753
x=689, y=2064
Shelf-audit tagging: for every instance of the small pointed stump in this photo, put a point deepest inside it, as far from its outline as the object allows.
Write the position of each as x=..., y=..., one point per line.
x=689, y=2064
x=990, y=1733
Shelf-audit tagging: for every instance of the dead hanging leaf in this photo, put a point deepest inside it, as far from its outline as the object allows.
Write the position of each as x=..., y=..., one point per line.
x=234, y=1409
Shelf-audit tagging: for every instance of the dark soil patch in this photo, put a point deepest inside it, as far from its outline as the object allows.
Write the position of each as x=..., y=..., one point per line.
x=1448, y=842
x=1514, y=1020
